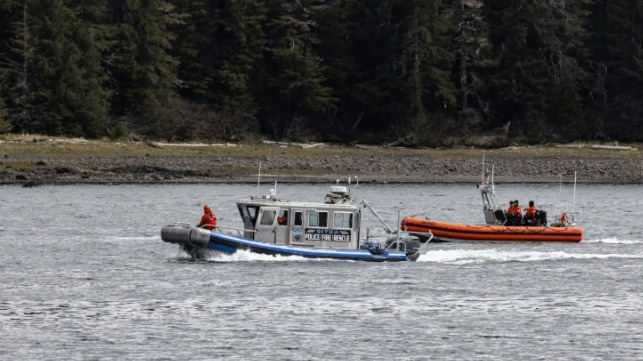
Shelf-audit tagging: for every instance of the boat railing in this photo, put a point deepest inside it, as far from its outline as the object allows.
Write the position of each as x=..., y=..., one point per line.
x=423, y=245
x=240, y=232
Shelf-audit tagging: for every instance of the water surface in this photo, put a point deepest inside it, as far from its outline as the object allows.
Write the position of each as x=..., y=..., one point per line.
x=84, y=275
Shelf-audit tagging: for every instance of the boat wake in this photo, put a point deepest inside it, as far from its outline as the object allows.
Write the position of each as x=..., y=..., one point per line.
x=613, y=241
x=461, y=257
x=246, y=256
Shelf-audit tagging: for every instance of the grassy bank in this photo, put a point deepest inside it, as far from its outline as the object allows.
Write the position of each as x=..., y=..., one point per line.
x=37, y=145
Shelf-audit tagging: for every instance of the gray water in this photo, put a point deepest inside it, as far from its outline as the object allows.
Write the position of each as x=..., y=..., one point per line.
x=84, y=275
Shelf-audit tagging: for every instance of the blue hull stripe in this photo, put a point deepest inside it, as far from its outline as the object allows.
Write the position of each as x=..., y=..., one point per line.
x=229, y=243
x=221, y=247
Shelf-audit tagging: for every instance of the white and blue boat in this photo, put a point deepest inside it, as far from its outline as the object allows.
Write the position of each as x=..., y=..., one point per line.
x=329, y=230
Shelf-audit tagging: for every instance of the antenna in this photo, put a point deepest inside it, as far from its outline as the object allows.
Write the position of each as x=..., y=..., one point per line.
x=275, y=190
x=259, y=175
x=560, y=188
x=483, y=165
x=350, y=191
x=574, y=199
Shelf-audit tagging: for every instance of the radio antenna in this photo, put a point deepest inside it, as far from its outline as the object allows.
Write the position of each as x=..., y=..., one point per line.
x=259, y=175
x=574, y=199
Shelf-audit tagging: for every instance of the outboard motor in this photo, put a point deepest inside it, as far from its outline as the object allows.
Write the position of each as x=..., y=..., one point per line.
x=185, y=235
x=541, y=216
x=500, y=216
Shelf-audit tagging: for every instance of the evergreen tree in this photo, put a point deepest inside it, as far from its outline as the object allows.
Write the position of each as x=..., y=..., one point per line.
x=5, y=67
x=371, y=101
x=534, y=82
x=340, y=69
x=58, y=87
x=401, y=79
x=143, y=72
x=5, y=126
x=424, y=63
x=470, y=47
x=239, y=40
x=294, y=85
x=194, y=46
x=90, y=98
x=16, y=64
x=616, y=63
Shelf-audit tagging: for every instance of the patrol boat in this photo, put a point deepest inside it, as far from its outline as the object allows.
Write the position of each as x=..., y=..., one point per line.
x=274, y=226
x=497, y=228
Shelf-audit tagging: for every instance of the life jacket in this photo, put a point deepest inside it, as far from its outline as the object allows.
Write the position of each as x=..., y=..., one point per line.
x=208, y=221
x=518, y=210
x=531, y=212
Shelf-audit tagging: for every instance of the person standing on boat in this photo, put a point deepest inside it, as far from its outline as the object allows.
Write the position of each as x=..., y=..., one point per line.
x=209, y=218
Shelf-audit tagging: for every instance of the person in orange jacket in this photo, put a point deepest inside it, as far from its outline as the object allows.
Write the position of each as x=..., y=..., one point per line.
x=514, y=213
x=531, y=215
x=531, y=211
x=518, y=208
x=209, y=218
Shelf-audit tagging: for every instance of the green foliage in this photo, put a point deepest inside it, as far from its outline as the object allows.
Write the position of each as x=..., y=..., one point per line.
x=142, y=69
x=53, y=80
x=293, y=74
x=616, y=67
x=239, y=43
x=412, y=72
x=5, y=126
x=534, y=84
x=193, y=45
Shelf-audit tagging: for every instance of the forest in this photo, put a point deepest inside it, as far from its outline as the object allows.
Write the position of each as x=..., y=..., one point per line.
x=408, y=72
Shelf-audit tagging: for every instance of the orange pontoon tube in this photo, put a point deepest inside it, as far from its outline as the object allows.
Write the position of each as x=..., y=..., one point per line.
x=457, y=231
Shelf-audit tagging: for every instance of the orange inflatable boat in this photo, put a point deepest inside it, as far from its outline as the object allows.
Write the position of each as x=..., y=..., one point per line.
x=446, y=231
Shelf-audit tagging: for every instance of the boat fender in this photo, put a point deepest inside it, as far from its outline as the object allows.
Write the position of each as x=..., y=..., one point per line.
x=185, y=235
x=199, y=237
x=564, y=219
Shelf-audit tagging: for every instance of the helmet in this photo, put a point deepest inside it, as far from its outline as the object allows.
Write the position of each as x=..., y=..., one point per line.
x=516, y=202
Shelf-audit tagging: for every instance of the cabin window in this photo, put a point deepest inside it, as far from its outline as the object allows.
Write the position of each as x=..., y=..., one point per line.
x=248, y=214
x=317, y=219
x=299, y=219
x=343, y=220
x=268, y=218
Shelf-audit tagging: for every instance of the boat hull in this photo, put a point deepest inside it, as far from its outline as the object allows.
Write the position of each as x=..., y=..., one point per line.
x=195, y=241
x=446, y=231
x=224, y=242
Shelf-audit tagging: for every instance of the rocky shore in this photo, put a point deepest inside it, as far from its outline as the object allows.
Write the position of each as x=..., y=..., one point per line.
x=31, y=165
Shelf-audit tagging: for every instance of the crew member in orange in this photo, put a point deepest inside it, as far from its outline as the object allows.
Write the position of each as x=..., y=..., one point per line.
x=531, y=211
x=511, y=211
x=283, y=218
x=209, y=218
x=518, y=208
x=514, y=214
x=531, y=215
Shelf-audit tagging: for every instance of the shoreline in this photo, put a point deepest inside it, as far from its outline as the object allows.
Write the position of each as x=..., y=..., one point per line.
x=65, y=161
